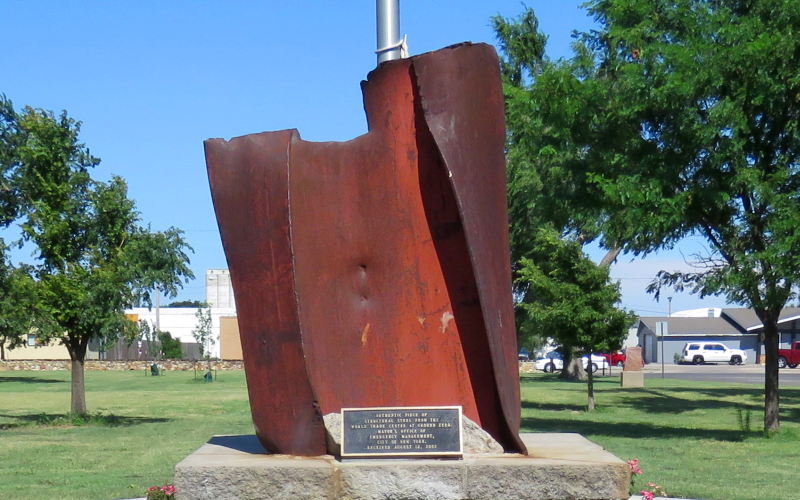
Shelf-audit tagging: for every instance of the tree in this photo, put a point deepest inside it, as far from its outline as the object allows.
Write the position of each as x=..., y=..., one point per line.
x=549, y=177
x=546, y=194
x=149, y=335
x=160, y=344
x=170, y=347
x=186, y=303
x=571, y=298
x=202, y=332
x=93, y=257
x=9, y=138
x=19, y=308
x=15, y=291
x=684, y=117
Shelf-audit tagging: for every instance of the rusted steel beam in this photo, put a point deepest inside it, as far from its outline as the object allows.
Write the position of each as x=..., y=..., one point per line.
x=375, y=272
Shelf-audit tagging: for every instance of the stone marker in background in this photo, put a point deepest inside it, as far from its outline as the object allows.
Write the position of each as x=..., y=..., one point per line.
x=632, y=374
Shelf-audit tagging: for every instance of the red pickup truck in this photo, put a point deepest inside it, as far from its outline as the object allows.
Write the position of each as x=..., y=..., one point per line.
x=789, y=357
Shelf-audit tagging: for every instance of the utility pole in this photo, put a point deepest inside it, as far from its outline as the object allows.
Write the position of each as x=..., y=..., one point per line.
x=663, y=331
x=387, y=16
x=158, y=308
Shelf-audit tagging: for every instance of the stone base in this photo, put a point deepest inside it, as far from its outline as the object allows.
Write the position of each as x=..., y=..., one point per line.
x=632, y=379
x=560, y=466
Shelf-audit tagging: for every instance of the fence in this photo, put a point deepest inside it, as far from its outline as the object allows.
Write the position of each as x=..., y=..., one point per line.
x=140, y=351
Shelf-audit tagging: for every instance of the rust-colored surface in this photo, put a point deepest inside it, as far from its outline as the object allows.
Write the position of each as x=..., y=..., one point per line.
x=633, y=359
x=375, y=272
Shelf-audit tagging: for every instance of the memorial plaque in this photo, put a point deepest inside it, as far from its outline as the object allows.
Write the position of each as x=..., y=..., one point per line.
x=404, y=431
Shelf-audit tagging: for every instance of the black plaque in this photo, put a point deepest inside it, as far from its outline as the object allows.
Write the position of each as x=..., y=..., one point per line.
x=424, y=431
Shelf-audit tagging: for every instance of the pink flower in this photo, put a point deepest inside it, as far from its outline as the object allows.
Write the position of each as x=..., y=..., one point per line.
x=647, y=495
x=168, y=490
x=152, y=488
x=634, y=465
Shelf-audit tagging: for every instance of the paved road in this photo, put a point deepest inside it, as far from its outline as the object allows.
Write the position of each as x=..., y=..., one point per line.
x=745, y=374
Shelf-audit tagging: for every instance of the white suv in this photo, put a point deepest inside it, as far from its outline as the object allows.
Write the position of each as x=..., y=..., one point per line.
x=712, y=352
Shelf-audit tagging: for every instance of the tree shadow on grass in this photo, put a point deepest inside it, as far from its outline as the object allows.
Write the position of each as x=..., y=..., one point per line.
x=574, y=385
x=629, y=430
x=67, y=420
x=529, y=405
x=657, y=401
x=791, y=394
x=33, y=380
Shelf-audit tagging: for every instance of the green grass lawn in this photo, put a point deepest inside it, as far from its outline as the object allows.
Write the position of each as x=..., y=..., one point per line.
x=687, y=435
x=157, y=421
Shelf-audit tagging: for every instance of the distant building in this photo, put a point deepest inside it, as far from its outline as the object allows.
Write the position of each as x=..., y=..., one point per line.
x=219, y=291
x=178, y=321
x=738, y=328
x=181, y=321
x=35, y=349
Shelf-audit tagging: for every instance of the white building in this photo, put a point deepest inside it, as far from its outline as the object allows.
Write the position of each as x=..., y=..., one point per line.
x=219, y=291
x=181, y=321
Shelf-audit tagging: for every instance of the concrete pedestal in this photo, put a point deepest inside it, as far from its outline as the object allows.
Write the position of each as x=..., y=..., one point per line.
x=560, y=466
x=632, y=379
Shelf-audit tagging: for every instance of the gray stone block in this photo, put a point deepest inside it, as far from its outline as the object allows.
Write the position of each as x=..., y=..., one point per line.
x=631, y=380
x=560, y=466
x=237, y=467
x=401, y=480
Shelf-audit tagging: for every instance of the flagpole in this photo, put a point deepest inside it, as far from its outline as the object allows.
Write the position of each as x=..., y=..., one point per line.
x=387, y=16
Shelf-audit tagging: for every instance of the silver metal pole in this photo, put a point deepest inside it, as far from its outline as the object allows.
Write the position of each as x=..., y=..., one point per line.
x=669, y=315
x=388, y=29
x=158, y=308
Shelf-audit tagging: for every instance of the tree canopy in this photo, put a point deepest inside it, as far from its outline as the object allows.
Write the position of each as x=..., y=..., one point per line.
x=675, y=119
x=93, y=257
x=570, y=298
x=187, y=303
x=19, y=307
x=561, y=293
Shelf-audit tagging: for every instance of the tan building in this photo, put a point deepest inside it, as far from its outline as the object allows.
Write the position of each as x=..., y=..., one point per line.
x=34, y=349
x=230, y=347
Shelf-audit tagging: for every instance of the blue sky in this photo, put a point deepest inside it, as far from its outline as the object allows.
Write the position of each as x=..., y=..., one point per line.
x=150, y=80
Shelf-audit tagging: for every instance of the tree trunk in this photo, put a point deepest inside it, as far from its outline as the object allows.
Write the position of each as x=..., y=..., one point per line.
x=2, y=350
x=78, y=401
x=772, y=421
x=573, y=369
x=590, y=386
x=77, y=354
x=610, y=257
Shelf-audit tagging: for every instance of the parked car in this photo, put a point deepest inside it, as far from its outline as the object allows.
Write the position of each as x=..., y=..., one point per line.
x=554, y=362
x=549, y=363
x=598, y=362
x=615, y=358
x=789, y=357
x=712, y=352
